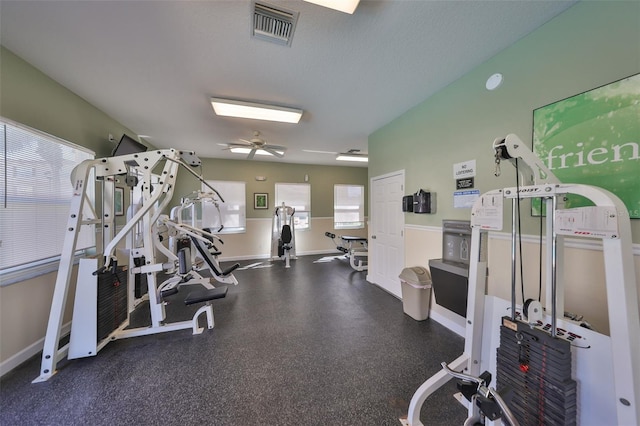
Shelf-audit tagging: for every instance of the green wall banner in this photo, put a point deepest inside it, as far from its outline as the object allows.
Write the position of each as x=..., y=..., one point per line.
x=594, y=138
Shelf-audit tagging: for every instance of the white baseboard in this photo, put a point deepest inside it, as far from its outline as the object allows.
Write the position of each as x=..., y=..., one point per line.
x=237, y=258
x=325, y=251
x=28, y=352
x=267, y=256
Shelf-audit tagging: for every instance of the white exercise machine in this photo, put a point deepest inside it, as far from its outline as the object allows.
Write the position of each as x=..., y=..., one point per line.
x=182, y=234
x=283, y=238
x=188, y=267
x=355, y=249
x=152, y=176
x=607, y=369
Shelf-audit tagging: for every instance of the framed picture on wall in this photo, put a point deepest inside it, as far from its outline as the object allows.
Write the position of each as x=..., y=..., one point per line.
x=260, y=200
x=118, y=201
x=593, y=138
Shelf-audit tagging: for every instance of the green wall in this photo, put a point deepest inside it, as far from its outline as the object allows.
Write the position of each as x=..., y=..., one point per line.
x=591, y=44
x=321, y=179
x=29, y=97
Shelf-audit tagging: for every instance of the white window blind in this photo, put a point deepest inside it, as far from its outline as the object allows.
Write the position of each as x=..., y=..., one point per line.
x=348, y=206
x=35, y=192
x=233, y=212
x=298, y=196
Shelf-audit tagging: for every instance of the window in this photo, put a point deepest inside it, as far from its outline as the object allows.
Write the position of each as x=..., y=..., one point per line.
x=348, y=206
x=232, y=214
x=35, y=196
x=298, y=196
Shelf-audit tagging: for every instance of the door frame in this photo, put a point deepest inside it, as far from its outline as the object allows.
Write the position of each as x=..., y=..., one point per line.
x=370, y=226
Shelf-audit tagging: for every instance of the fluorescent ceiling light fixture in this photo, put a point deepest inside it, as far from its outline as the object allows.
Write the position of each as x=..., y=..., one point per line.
x=346, y=6
x=242, y=109
x=352, y=157
x=240, y=150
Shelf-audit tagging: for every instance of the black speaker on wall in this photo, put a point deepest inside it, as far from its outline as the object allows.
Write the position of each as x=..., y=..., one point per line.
x=407, y=203
x=424, y=202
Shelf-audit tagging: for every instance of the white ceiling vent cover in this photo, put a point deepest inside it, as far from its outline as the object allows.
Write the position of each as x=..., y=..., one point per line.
x=273, y=23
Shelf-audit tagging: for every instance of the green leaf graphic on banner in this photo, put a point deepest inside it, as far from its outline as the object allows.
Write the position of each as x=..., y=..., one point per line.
x=594, y=138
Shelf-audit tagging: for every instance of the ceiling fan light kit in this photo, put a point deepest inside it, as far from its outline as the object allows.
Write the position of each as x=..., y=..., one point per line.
x=256, y=146
x=240, y=150
x=255, y=111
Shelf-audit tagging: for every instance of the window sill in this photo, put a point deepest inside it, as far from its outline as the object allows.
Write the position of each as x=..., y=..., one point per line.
x=29, y=272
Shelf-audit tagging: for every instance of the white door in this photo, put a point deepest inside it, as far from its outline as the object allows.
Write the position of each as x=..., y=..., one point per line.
x=386, y=244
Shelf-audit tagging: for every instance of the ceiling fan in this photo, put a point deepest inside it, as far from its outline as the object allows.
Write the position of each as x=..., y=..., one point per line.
x=256, y=145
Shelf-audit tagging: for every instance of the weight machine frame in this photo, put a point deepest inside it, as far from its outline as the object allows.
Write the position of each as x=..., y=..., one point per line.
x=156, y=191
x=608, y=221
x=283, y=217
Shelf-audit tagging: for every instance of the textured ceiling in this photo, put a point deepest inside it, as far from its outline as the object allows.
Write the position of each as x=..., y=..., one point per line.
x=153, y=65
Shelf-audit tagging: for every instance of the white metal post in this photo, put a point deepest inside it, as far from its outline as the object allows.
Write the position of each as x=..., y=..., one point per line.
x=50, y=352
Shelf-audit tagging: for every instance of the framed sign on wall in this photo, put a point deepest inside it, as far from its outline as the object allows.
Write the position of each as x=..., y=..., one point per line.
x=593, y=138
x=260, y=200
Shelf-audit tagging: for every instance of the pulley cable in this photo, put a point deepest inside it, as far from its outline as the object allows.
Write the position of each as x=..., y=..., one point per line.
x=519, y=229
x=540, y=255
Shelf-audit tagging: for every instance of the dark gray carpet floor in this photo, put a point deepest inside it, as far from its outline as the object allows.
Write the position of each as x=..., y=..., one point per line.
x=314, y=344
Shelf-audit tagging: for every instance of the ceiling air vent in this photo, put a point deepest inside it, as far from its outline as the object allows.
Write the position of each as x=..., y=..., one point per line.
x=273, y=23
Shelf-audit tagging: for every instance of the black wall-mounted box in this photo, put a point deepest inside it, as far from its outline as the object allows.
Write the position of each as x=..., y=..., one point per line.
x=407, y=203
x=424, y=202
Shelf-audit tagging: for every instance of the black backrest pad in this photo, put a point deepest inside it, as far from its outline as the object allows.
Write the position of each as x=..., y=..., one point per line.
x=204, y=252
x=286, y=234
x=206, y=255
x=184, y=258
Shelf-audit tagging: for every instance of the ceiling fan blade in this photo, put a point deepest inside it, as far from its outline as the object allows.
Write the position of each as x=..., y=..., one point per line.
x=275, y=147
x=246, y=142
x=251, y=154
x=271, y=151
x=319, y=152
x=238, y=145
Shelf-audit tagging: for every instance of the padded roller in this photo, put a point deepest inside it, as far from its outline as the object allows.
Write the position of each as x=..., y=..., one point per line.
x=169, y=292
x=205, y=295
x=184, y=260
x=229, y=270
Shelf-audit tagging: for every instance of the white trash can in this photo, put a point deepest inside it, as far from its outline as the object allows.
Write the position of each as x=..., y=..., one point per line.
x=416, y=292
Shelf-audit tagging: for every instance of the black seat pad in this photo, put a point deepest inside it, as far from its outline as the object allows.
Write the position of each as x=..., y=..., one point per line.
x=353, y=239
x=205, y=295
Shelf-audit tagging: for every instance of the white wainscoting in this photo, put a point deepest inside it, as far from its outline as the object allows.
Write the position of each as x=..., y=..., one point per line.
x=585, y=292
x=255, y=243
